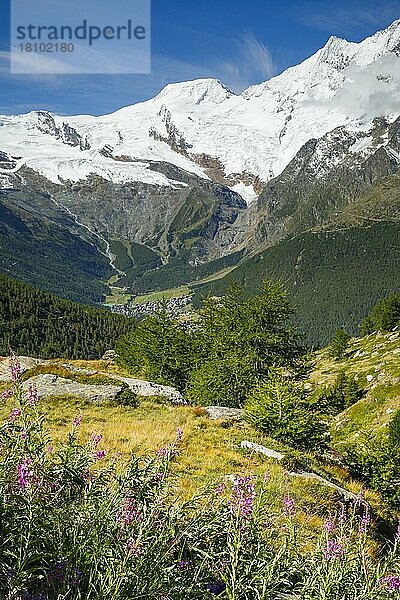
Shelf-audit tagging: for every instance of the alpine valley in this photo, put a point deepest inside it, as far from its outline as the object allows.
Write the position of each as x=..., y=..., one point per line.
x=296, y=178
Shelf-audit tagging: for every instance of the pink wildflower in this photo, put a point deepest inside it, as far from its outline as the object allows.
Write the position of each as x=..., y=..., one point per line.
x=96, y=439
x=15, y=413
x=365, y=521
x=334, y=550
x=243, y=495
x=33, y=396
x=289, y=507
x=24, y=473
x=76, y=421
x=128, y=513
x=391, y=583
x=329, y=525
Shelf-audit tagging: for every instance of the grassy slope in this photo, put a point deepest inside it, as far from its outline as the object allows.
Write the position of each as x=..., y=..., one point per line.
x=211, y=449
x=376, y=356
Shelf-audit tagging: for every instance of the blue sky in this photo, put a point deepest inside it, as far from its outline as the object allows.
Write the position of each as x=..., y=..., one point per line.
x=240, y=42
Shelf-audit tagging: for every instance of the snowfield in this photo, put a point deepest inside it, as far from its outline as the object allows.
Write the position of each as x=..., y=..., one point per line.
x=252, y=134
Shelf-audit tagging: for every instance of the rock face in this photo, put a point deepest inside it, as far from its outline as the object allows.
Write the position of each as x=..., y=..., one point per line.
x=52, y=385
x=148, y=388
x=109, y=355
x=26, y=362
x=225, y=412
x=261, y=450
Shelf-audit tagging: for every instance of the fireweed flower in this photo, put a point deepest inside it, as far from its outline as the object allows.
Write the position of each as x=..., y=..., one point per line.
x=6, y=394
x=99, y=454
x=14, y=414
x=184, y=564
x=162, y=452
x=25, y=473
x=391, y=583
x=96, y=438
x=87, y=475
x=365, y=521
x=76, y=574
x=220, y=488
x=179, y=435
x=243, y=495
x=128, y=513
x=58, y=571
x=360, y=498
x=342, y=518
x=33, y=396
x=76, y=421
x=15, y=370
x=329, y=525
x=289, y=507
x=334, y=550
x=132, y=548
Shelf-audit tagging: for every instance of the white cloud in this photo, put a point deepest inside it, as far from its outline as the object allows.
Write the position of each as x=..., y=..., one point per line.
x=251, y=64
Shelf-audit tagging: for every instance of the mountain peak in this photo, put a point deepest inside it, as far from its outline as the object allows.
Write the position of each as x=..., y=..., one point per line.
x=337, y=52
x=197, y=91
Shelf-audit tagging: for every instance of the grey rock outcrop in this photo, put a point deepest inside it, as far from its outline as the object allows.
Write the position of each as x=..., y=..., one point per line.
x=261, y=450
x=51, y=385
x=109, y=355
x=148, y=388
x=224, y=412
x=26, y=362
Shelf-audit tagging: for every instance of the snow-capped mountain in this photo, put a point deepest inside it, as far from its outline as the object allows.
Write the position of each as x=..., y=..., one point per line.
x=175, y=189
x=241, y=140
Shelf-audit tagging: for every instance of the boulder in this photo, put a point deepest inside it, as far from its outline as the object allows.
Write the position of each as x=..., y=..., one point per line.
x=261, y=450
x=52, y=385
x=26, y=362
x=148, y=388
x=224, y=412
x=109, y=355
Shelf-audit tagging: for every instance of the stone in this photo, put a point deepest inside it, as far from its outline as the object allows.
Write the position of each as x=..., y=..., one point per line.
x=51, y=385
x=224, y=412
x=26, y=362
x=261, y=450
x=148, y=388
x=109, y=355
x=344, y=493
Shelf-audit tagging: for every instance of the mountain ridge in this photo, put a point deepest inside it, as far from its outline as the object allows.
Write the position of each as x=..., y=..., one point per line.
x=199, y=178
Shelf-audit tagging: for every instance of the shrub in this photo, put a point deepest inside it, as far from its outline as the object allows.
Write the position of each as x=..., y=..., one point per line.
x=128, y=398
x=222, y=381
x=376, y=460
x=339, y=344
x=394, y=431
x=276, y=408
x=159, y=349
x=344, y=392
x=234, y=342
